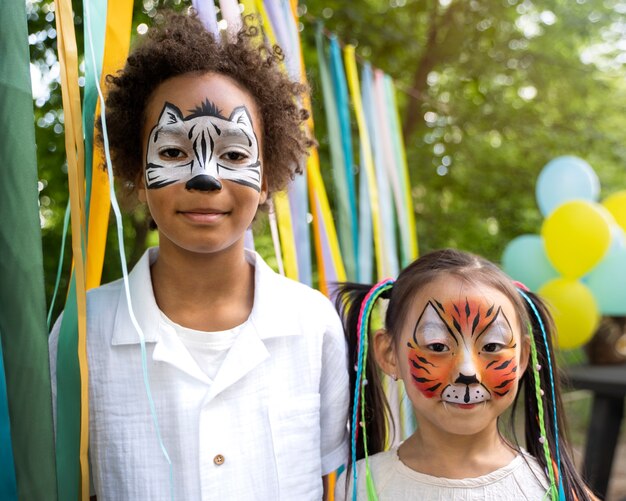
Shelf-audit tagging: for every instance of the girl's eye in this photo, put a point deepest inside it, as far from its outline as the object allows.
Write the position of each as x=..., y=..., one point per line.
x=438, y=347
x=492, y=347
x=172, y=153
x=234, y=156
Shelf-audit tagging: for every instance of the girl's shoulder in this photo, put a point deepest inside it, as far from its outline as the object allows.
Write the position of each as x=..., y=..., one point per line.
x=521, y=479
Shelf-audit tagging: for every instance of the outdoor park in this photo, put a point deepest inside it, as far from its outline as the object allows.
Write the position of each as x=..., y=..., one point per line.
x=493, y=126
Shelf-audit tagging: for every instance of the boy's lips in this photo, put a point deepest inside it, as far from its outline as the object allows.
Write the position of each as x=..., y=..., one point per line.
x=204, y=215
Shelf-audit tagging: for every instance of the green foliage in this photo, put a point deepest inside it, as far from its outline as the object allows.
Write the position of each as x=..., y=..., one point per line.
x=490, y=91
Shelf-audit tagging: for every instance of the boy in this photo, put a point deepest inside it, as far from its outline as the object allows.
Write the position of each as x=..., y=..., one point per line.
x=247, y=368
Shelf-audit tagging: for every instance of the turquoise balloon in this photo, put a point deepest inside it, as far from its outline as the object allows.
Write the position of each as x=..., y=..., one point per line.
x=524, y=259
x=563, y=179
x=607, y=282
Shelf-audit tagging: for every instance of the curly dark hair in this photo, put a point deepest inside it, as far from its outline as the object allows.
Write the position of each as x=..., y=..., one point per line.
x=181, y=45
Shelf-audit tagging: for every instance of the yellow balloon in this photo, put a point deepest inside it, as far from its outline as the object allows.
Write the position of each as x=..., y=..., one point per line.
x=577, y=234
x=574, y=310
x=616, y=205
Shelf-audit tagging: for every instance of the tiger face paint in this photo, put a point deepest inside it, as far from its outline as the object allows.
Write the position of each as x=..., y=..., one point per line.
x=202, y=149
x=463, y=351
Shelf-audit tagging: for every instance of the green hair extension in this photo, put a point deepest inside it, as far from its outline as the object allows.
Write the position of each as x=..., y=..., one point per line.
x=542, y=427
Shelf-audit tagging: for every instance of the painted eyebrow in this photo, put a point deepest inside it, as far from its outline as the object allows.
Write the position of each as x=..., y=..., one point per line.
x=498, y=318
x=430, y=303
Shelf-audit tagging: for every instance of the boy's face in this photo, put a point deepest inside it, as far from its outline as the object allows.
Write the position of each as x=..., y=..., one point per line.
x=203, y=175
x=461, y=355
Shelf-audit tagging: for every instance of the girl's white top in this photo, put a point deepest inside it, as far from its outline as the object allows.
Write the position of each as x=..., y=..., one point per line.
x=521, y=479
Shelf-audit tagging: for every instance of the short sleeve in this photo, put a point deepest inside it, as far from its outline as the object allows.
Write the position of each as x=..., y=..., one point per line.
x=334, y=395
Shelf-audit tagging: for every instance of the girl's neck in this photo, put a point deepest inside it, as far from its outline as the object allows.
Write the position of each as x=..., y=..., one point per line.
x=435, y=452
x=207, y=292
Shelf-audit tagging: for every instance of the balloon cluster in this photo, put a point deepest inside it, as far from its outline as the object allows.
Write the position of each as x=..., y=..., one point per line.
x=578, y=262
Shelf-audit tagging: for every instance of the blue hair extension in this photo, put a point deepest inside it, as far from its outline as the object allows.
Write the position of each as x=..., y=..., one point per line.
x=362, y=331
x=551, y=375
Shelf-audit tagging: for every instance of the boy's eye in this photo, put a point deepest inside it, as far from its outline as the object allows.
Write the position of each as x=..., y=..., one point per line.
x=172, y=153
x=438, y=347
x=234, y=156
x=492, y=347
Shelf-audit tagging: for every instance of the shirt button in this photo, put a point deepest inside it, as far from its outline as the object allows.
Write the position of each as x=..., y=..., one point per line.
x=218, y=460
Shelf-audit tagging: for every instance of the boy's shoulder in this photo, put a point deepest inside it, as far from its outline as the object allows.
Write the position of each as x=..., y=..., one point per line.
x=277, y=288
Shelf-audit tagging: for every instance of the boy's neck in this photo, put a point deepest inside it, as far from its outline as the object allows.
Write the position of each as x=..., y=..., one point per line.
x=206, y=292
x=433, y=452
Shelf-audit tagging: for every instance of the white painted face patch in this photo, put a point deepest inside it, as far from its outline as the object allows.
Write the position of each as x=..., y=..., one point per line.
x=202, y=149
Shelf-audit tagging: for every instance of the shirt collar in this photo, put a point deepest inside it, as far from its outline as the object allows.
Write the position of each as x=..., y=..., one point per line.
x=272, y=313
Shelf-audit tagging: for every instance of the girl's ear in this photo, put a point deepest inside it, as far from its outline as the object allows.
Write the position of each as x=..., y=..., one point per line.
x=385, y=353
x=525, y=355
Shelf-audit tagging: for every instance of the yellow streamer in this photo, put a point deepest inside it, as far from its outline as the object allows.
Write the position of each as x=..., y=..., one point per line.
x=318, y=198
x=366, y=151
x=68, y=60
x=281, y=200
x=117, y=43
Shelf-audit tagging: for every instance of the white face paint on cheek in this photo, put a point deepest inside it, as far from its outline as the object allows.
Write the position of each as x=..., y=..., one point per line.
x=202, y=149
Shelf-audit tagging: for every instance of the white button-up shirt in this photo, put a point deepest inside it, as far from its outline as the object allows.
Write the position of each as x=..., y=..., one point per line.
x=270, y=424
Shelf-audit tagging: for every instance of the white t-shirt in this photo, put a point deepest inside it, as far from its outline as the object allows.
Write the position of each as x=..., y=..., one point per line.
x=522, y=479
x=208, y=349
x=269, y=423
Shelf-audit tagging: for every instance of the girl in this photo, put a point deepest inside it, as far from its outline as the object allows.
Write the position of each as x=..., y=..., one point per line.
x=247, y=369
x=467, y=342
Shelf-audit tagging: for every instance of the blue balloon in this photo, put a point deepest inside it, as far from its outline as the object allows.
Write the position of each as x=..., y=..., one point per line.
x=607, y=282
x=563, y=179
x=524, y=259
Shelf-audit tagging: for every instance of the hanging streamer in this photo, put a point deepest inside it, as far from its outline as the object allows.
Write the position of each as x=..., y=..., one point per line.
x=343, y=110
x=72, y=337
x=116, y=46
x=409, y=235
x=8, y=485
x=342, y=197
x=388, y=242
x=366, y=151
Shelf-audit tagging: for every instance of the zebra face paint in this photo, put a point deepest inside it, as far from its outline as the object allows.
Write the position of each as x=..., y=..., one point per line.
x=463, y=351
x=203, y=149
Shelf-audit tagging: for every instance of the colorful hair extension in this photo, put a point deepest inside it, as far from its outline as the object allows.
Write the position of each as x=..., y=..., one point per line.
x=549, y=462
x=362, y=342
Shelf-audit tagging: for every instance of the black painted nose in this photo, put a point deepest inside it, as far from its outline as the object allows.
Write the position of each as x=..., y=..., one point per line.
x=204, y=182
x=463, y=379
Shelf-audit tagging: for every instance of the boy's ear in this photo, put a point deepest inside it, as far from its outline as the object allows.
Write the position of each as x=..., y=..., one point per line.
x=140, y=184
x=264, y=191
x=385, y=353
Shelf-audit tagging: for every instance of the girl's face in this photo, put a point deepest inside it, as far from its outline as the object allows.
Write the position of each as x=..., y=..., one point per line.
x=203, y=175
x=460, y=354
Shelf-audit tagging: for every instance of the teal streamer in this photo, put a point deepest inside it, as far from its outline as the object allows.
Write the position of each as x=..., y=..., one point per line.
x=343, y=209
x=342, y=101
x=93, y=70
x=8, y=484
x=66, y=223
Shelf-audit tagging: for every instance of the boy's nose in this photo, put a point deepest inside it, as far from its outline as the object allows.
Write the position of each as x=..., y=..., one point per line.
x=204, y=182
